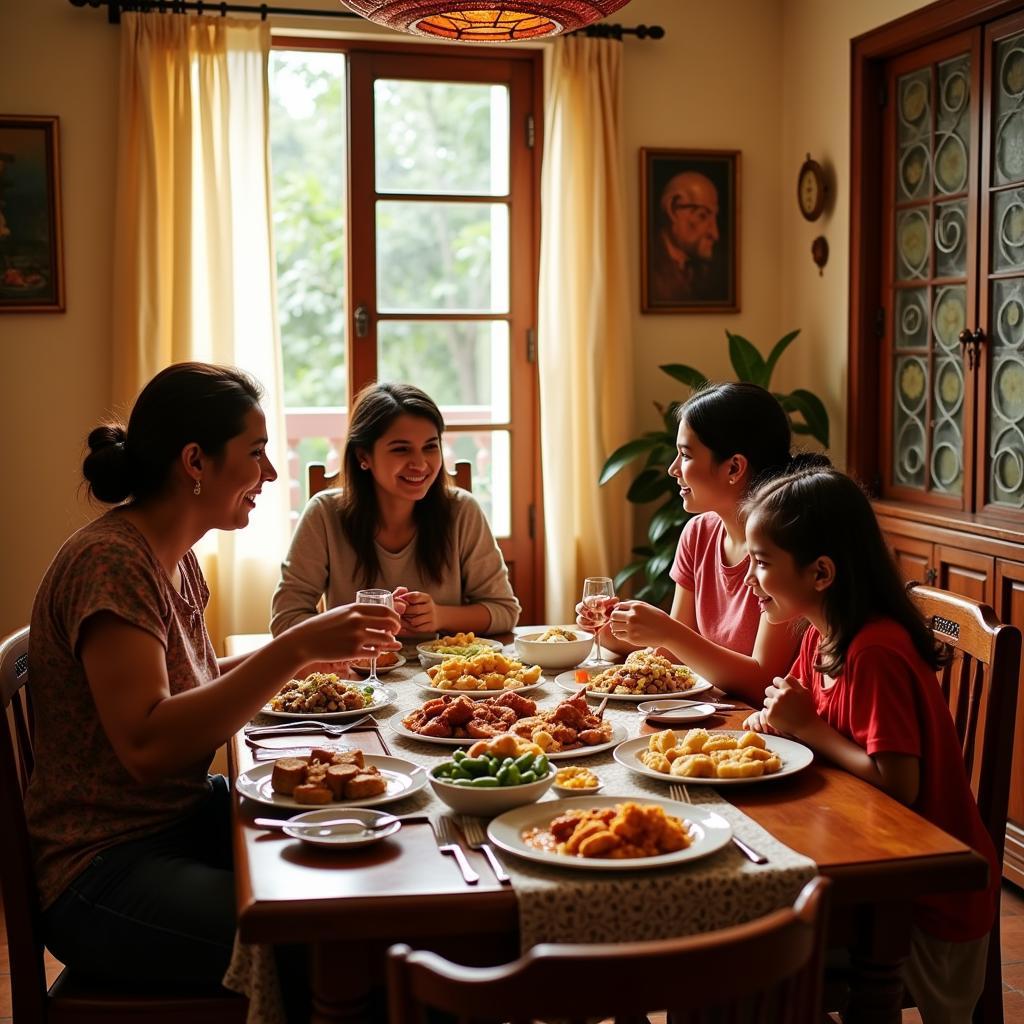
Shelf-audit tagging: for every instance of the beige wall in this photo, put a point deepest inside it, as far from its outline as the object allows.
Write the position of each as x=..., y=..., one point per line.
x=767, y=77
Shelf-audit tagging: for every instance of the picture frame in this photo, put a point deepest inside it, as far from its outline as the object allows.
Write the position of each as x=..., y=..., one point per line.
x=31, y=231
x=690, y=230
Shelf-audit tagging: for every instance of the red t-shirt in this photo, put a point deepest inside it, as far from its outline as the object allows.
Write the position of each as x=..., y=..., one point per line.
x=727, y=611
x=888, y=701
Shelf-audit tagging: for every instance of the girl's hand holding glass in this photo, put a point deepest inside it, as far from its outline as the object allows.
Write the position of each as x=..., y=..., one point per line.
x=640, y=623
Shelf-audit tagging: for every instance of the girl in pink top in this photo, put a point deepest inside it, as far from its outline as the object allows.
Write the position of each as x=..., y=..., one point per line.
x=730, y=436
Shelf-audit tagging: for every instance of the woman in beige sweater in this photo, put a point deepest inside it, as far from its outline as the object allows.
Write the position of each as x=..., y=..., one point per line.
x=398, y=524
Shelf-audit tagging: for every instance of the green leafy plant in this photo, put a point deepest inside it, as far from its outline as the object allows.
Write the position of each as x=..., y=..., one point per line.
x=807, y=415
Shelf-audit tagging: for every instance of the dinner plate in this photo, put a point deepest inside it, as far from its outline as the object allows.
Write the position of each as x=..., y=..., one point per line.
x=567, y=681
x=382, y=697
x=342, y=837
x=795, y=757
x=619, y=733
x=429, y=657
x=382, y=670
x=680, y=716
x=403, y=778
x=709, y=833
x=423, y=680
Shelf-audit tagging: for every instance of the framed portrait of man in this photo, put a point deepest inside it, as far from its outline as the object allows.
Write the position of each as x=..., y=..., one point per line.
x=690, y=216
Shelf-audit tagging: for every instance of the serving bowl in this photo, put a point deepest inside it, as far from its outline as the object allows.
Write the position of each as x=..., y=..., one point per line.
x=552, y=655
x=485, y=803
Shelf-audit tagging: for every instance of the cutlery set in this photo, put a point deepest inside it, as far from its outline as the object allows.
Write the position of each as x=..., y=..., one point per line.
x=681, y=794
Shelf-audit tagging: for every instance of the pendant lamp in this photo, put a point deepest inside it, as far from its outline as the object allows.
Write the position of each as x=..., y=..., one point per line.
x=485, y=21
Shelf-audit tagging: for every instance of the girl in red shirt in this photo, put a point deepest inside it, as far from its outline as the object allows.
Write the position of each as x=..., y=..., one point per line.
x=863, y=693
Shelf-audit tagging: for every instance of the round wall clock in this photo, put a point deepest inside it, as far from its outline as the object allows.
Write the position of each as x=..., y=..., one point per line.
x=811, y=189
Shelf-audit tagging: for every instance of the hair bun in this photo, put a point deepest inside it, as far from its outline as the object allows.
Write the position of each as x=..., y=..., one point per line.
x=801, y=461
x=106, y=466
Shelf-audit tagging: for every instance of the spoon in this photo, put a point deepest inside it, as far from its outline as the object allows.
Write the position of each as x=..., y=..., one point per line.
x=374, y=826
x=678, y=705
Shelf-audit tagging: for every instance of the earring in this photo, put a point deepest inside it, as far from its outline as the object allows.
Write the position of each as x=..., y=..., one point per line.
x=196, y=490
x=364, y=465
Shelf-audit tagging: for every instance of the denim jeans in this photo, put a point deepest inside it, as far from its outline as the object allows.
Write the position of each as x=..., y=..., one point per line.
x=156, y=909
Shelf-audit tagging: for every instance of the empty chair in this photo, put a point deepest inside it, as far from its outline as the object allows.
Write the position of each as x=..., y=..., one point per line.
x=69, y=1000
x=768, y=970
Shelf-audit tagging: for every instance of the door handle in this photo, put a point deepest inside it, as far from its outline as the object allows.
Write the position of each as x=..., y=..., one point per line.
x=362, y=321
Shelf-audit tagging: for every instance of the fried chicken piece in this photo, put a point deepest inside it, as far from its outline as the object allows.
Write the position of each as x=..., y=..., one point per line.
x=521, y=705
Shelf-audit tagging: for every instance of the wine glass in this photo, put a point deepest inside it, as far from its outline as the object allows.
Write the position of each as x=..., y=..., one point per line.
x=598, y=592
x=373, y=596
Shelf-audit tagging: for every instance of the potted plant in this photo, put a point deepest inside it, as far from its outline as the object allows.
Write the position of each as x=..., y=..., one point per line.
x=807, y=415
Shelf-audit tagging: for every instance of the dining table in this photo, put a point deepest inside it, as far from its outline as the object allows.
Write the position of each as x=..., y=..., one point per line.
x=348, y=908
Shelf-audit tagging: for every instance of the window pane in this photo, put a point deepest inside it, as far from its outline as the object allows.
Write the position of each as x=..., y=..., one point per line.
x=433, y=256
x=462, y=365
x=441, y=137
x=490, y=453
x=307, y=141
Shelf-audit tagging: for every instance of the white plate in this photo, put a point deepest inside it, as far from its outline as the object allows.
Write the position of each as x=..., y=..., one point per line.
x=423, y=680
x=383, y=696
x=403, y=778
x=567, y=681
x=619, y=733
x=506, y=831
x=795, y=757
x=429, y=657
x=382, y=670
x=342, y=837
x=681, y=716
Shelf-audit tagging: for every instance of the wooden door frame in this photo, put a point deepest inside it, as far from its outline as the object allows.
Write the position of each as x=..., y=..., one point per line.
x=869, y=54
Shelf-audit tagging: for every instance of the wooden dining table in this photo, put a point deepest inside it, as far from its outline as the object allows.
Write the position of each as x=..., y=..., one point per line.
x=349, y=908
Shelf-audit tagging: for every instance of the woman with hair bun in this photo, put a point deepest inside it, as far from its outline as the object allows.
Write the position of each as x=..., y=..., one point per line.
x=397, y=524
x=731, y=436
x=130, y=834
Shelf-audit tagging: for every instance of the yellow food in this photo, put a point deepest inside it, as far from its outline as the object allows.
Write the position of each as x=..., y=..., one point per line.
x=644, y=672
x=556, y=635
x=490, y=670
x=574, y=777
x=703, y=755
x=460, y=644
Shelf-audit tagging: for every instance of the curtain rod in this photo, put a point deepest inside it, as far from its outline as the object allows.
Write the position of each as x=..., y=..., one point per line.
x=115, y=7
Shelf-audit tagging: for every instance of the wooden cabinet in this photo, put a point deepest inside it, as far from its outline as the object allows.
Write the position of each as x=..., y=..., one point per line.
x=1009, y=606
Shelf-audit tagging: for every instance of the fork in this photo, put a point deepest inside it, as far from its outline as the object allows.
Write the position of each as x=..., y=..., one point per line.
x=446, y=843
x=474, y=835
x=306, y=726
x=677, y=791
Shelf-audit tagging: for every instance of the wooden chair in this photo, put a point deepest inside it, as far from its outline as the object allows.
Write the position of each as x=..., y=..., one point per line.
x=767, y=970
x=980, y=686
x=318, y=480
x=69, y=1000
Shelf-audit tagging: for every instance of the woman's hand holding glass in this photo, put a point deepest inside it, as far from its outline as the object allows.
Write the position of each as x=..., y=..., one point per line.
x=420, y=615
x=375, y=598
x=592, y=613
x=348, y=632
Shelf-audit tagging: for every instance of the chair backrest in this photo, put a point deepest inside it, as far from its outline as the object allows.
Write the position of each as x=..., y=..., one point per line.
x=318, y=479
x=17, y=882
x=979, y=683
x=768, y=970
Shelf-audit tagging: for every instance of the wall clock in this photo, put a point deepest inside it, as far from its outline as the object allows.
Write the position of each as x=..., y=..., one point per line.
x=811, y=189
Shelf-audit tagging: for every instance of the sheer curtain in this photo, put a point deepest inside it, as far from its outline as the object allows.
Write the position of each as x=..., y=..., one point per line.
x=194, y=263
x=586, y=362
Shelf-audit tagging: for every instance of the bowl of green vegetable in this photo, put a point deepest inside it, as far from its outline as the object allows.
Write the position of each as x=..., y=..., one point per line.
x=487, y=785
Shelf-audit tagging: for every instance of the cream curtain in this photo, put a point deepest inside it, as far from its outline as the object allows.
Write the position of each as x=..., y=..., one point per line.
x=586, y=361
x=194, y=264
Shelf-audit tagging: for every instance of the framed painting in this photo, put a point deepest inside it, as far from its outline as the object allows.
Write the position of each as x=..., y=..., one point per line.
x=31, y=246
x=690, y=230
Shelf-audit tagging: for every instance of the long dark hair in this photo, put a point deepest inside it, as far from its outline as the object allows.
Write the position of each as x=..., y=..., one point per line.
x=375, y=408
x=822, y=512
x=740, y=418
x=183, y=404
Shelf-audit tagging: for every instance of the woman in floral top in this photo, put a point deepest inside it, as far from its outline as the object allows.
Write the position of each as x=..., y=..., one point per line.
x=130, y=833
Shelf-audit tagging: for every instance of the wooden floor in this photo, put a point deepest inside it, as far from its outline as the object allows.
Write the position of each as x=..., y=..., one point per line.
x=1013, y=964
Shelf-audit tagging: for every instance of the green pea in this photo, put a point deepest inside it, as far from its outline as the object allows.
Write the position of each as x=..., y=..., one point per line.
x=459, y=755
x=508, y=761
x=442, y=771
x=508, y=775
x=476, y=766
x=463, y=782
x=485, y=782
x=458, y=772
x=495, y=765
x=540, y=765
x=530, y=776
x=524, y=762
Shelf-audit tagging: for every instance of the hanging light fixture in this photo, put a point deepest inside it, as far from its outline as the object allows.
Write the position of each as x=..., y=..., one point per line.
x=485, y=21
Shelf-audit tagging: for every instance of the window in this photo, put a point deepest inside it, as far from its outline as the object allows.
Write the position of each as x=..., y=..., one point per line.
x=404, y=213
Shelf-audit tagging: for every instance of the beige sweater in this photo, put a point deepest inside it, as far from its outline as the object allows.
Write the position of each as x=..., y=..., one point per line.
x=321, y=561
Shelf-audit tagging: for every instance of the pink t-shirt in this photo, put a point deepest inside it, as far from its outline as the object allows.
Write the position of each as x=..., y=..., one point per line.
x=727, y=611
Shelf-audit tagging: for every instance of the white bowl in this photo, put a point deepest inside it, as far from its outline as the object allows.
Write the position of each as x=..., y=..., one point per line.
x=429, y=657
x=485, y=803
x=551, y=655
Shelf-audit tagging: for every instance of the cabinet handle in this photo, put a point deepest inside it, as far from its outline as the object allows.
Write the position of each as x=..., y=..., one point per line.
x=931, y=576
x=971, y=345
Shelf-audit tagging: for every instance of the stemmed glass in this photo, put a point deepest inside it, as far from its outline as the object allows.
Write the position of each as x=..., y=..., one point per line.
x=598, y=592
x=385, y=598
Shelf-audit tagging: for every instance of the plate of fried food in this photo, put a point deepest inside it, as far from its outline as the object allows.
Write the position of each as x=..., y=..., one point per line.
x=326, y=696
x=570, y=729
x=462, y=645
x=716, y=757
x=387, y=661
x=346, y=777
x=643, y=675
x=483, y=675
x=609, y=833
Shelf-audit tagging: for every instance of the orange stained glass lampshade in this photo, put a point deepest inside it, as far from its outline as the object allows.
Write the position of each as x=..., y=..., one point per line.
x=481, y=21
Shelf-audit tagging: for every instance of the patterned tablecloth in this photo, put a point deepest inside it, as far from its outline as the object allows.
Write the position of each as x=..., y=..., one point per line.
x=566, y=905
